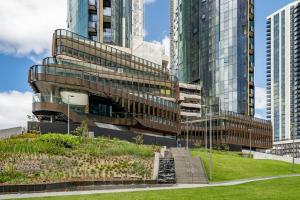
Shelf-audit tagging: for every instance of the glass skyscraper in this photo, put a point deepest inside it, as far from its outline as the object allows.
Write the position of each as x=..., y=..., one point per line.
x=283, y=64
x=114, y=22
x=212, y=44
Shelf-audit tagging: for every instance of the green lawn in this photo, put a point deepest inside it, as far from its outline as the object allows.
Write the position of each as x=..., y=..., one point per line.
x=287, y=188
x=232, y=166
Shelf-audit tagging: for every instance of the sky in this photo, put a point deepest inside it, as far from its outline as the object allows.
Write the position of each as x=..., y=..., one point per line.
x=26, y=29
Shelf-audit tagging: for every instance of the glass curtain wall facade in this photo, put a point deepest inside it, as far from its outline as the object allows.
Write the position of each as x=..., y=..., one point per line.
x=213, y=45
x=282, y=77
x=110, y=21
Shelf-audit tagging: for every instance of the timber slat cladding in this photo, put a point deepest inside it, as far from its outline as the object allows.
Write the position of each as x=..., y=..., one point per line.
x=233, y=130
x=110, y=92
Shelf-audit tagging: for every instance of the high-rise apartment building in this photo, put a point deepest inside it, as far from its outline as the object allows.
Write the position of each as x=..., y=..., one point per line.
x=283, y=64
x=212, y=44
x=85, y=80
x=120, y=91
x=105, y=74
x=116, y=22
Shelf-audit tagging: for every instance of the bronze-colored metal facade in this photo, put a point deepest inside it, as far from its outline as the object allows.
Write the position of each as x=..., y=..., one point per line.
x=231, y=129
x=141, y=94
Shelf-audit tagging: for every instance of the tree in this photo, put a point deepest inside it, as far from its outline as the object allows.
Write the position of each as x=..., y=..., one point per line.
x=82, y=130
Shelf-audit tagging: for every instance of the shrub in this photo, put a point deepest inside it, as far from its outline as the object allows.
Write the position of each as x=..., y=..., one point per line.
x=140, y=169
x=25, y=136
x=139, y=139
x=226, y=147
x=66, y=141
x=9, y=174
x=82, y=130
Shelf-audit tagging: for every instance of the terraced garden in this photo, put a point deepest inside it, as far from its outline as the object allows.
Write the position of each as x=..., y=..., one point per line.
x=33, y=158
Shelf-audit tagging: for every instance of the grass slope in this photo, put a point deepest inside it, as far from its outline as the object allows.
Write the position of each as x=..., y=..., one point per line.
x=232, y=166
x=33, y=158
x=281, y=189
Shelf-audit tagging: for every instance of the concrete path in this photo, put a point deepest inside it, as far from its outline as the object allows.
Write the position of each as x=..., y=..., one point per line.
x=179, y=186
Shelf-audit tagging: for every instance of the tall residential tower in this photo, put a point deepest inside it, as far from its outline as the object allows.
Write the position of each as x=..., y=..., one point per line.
x=116, y=22
x=283, y=70
x=212, y=44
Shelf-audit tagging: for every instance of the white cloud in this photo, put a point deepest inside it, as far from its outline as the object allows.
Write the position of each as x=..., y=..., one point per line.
x=15, y=106
x=260, y=98
x=261, y=116
x=149, y=1
x=260, y=102
x=27, y=26
x=165, y=44
x=145, y=32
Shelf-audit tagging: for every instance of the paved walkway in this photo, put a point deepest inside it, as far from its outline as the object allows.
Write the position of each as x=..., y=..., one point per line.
x=179, y=186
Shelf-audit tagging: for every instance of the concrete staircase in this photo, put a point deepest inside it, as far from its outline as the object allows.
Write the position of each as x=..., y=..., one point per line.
x=188, y=170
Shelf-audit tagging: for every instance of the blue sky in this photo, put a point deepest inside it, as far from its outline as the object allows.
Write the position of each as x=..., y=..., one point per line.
x=26, y=37
x=13, y=70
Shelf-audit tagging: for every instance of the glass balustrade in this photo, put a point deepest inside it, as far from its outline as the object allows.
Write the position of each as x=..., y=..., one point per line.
x=92, y=2
x=60, y=33
x=92, y=78
x=107, y=11
x=103, y=70
x=92, y=25
x=113, y=64
x=41, y=98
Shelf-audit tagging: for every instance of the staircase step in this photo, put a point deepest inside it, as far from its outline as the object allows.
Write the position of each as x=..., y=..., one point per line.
x=188, y=170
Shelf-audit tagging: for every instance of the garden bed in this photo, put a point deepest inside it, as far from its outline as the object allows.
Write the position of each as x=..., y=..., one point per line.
x=35, y=159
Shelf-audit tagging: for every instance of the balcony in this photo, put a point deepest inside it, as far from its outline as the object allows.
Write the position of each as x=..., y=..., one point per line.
x=107, y=12
x=251, y=64
x=107, y=35
x=251, y=13
x=251, y=50
x=92, y=7
x=251, y=32
x=92, y=28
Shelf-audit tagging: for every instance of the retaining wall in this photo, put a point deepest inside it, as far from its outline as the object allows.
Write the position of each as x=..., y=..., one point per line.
x=265, y=156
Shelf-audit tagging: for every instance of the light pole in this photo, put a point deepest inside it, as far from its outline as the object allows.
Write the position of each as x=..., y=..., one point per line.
x=69, y=112
x=210, y=138
x=250, y=134
x=206, y=131
x=294, y=147
x=187, y=133
x=210, y=145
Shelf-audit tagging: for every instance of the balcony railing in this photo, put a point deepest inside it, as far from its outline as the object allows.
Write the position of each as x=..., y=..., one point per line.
x=107, y=11
x=101, y=68
x=92, y=2
x=42, y=98
x=43, y=70
x=92, y=25
x=60, y=33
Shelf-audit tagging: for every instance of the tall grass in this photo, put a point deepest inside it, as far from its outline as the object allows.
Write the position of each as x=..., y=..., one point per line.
x=57, y=144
